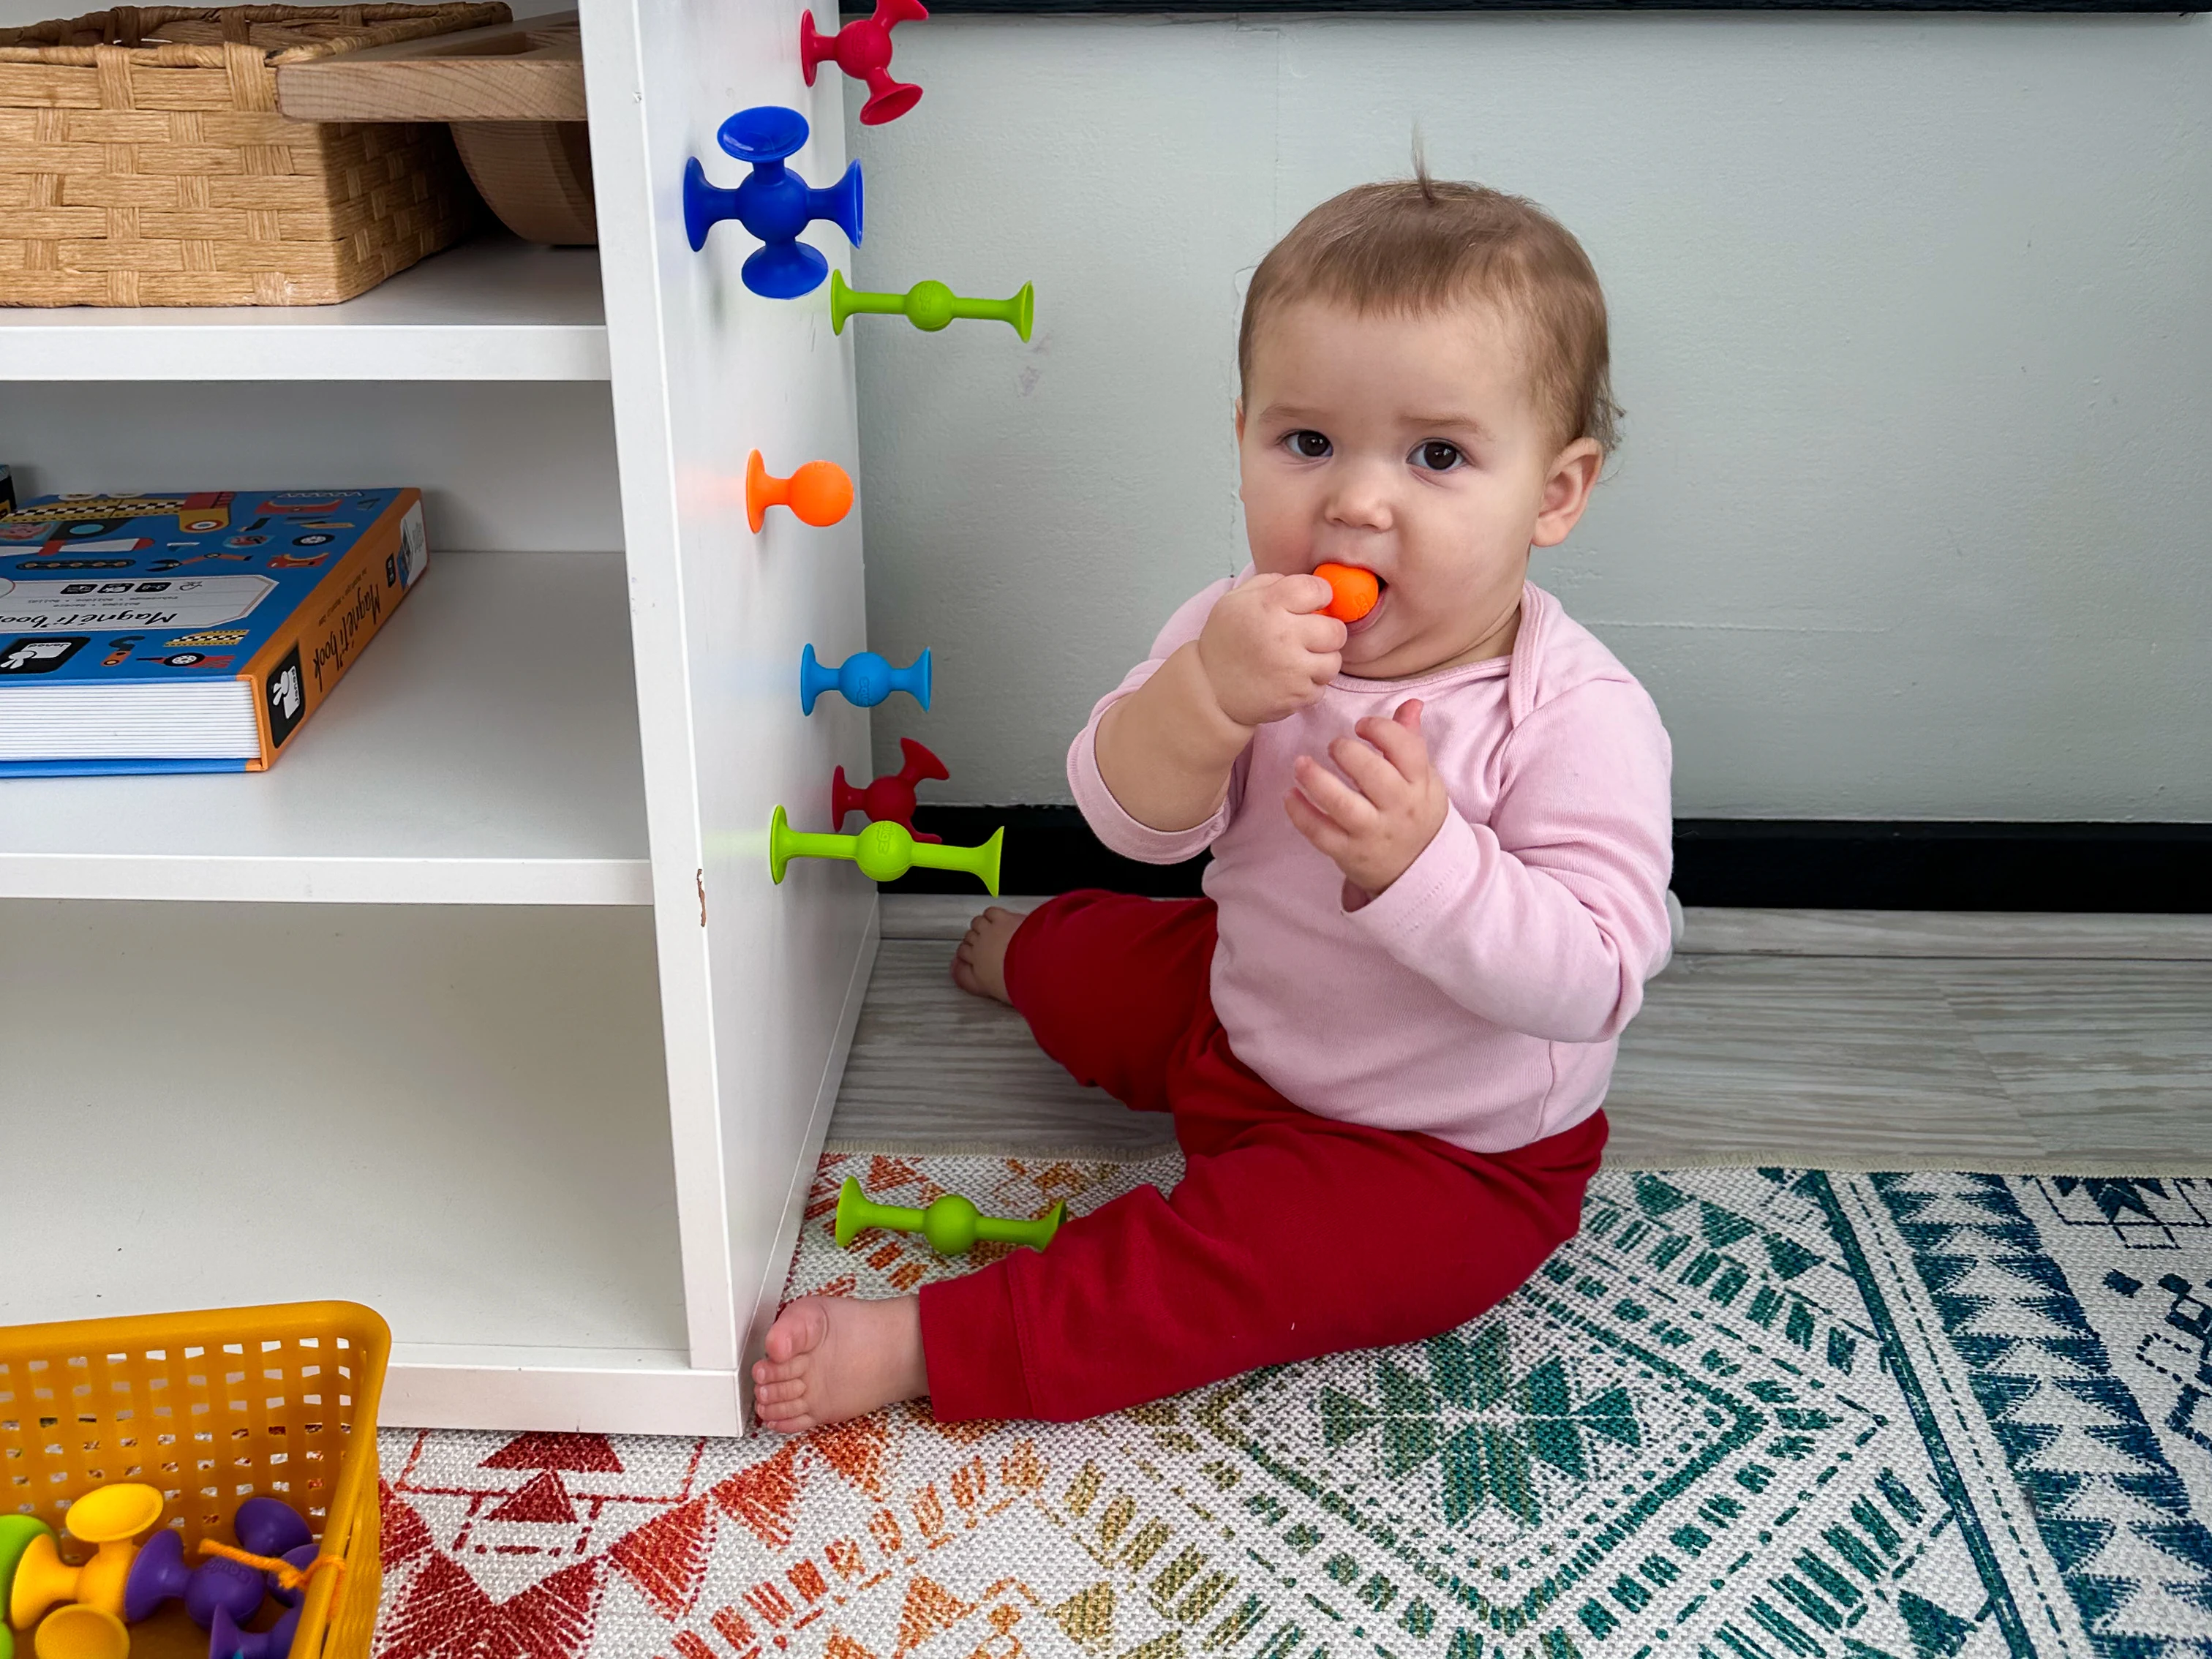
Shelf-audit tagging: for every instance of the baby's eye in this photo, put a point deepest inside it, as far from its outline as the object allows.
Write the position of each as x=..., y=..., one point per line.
x=1437, y=456
x=1307, y=445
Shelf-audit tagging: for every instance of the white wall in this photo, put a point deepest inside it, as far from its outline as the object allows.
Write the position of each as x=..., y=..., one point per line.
x=1910, y=323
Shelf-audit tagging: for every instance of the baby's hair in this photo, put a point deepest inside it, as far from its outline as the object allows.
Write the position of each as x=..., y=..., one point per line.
x=1418, y=244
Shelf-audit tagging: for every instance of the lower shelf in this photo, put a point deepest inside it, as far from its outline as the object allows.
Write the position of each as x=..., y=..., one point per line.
x=456, y=1114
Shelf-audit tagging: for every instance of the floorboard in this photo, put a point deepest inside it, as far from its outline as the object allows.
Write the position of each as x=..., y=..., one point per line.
x=1821, y=1039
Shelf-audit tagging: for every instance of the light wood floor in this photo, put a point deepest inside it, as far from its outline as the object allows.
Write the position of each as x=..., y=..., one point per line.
x=1852, y=1040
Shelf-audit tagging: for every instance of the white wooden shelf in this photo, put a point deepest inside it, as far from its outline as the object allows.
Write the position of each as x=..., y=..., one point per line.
x=491, y=309
x=531, y=1056
x=458, y=1117
x=484, y=750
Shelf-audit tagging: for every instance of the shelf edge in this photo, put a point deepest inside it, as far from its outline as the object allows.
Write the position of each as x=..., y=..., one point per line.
x=327, y=880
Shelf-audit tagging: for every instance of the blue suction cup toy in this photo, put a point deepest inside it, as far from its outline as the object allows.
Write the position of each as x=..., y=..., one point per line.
x=773, y=203
x=863, y=679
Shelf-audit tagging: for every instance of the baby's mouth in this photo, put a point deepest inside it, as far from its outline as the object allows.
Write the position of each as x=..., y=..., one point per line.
x=1352, y=630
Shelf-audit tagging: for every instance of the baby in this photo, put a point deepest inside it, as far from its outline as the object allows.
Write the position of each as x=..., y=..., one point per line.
x=1441, y=844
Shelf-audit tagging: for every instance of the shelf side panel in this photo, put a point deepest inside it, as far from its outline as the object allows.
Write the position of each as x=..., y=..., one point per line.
x=754, y=975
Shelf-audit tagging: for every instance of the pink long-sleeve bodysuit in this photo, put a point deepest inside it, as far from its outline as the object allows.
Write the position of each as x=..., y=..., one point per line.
x=1480, y=998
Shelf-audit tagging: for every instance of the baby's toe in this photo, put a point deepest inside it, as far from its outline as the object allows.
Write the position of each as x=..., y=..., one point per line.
x=799, y=1329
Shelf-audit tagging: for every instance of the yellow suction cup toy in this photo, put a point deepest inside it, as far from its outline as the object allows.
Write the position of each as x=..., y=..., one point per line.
x=16, y=1531
x=87, y=1619
x=77, y=1632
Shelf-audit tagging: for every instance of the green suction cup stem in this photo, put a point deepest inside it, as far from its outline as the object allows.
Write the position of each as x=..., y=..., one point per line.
x=930, y=305
x=857, y=1212
x=1037, y=1234
x=884, y=850
x=779, y=845
x=951, y=1224
x=986, y=866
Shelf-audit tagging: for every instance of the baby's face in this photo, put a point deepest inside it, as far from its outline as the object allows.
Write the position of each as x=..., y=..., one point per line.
x=1409, y=444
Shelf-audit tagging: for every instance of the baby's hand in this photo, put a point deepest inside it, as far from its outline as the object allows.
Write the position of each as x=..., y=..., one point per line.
x=1266, y=651
x=1376, y=826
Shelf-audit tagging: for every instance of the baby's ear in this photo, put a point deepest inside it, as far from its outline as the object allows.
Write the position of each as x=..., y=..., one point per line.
x=1239, y=421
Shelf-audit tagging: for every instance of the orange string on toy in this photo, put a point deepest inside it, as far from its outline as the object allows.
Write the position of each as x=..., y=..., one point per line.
x=290, y=1576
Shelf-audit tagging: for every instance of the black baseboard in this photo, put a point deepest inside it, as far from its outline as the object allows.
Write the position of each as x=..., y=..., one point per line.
x=1794, y=864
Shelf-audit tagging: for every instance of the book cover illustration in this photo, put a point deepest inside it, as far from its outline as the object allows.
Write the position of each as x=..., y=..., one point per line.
x=149, y=632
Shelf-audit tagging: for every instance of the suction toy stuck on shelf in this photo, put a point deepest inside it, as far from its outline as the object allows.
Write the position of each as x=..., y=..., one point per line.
x=930, y=306
x=884, y=851
x=863, y=50
x=774, y=203
x=863, y=679
x=86, y=1601
x=820, y=493
x=891, y=798
x=951, y=1224
x=1355, y=588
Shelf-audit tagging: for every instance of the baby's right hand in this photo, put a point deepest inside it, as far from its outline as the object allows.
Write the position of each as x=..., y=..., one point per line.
x=1267, y=651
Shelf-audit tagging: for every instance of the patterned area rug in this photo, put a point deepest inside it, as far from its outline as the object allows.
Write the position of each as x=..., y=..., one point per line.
x=1747, y=1414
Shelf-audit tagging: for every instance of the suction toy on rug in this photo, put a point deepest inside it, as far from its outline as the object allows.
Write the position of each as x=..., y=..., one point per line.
x=774, y=203
x=863, y=50
x=930, y=306
x=891, y=798
x=951, y=1224
x=86, y=1602
x=884, y=851
x=820, y=493
x=863, y=679
x=1356, y=589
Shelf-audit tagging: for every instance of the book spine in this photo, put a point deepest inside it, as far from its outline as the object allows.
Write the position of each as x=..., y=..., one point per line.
x=307, y=657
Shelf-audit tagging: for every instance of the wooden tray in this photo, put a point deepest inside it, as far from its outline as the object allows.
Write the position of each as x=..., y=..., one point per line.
x=514, y=96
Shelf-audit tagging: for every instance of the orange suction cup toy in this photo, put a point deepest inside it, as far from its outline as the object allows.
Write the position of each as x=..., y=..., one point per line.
x=1356, y=589
x=820, y=493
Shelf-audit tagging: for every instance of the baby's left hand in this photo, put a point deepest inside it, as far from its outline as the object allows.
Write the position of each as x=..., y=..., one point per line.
x=1374, y=827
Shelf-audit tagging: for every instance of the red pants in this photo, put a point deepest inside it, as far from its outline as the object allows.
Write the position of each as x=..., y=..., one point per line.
x=1291, y=1235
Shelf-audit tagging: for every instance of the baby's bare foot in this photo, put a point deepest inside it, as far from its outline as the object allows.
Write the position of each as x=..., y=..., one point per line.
x=979, y=966
x=834, y=1357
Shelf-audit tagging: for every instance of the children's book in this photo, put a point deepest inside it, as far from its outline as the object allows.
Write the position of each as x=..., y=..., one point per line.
x=188, y=633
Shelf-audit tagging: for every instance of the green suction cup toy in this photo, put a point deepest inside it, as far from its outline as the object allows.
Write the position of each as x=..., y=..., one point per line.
x=884, y=851
x=951, y=1223
x=930, y=306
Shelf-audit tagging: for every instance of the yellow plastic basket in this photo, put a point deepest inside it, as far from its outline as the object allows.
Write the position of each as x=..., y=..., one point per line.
x=212, y=1409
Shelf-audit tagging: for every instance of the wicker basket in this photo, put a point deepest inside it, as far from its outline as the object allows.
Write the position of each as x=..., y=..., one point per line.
x=142, y=162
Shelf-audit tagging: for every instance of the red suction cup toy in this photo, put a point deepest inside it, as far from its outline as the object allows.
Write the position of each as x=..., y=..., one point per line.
x=890, y=796
x=863, y=50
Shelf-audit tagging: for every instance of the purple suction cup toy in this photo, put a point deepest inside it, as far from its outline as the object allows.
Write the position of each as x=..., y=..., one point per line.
x=269, y=1525
x=160, y=1575
x=227, y=1641
x=300, y=1558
